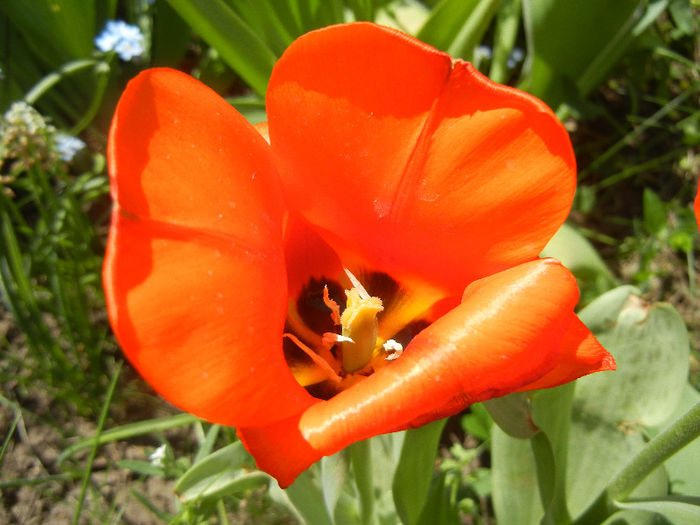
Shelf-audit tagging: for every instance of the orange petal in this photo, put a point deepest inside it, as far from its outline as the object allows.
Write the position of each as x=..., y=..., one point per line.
x=506, y=334
x=412, y=164
x=194, y=272
x=580, y=354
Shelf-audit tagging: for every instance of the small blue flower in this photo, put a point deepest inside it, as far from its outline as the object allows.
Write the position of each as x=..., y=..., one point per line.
x=125, y=39
x=516, y=56
x=68, y=146
x=483, y=52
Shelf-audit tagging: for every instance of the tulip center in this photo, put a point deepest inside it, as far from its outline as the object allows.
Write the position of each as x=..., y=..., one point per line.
x=340, y=359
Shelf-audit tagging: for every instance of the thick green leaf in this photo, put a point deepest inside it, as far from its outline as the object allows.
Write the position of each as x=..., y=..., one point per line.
x=361, y=459
x=650, y=346
x=238, y=45
x=601, y=315
x=682, y=510
x=577, y=254
x=171, y=37
x=56, y=31
x=551, y=412
x=516, y=497
x=456, y=26
x=566, y=39
x=304, y=497
x=513, y=414
x=219, y=474
x=334, y=474
x=439, y=507
x=415, y=470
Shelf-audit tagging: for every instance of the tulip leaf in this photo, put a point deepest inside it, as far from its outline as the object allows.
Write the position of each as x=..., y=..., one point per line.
x=438, y=509
x=578, y=255
x=415, y=470
x=515, y=494
x=681, y=509
x=650, y=346
x=512, y=414
x=219, y=474
x=361, y=460
x=304, y=498
x=574, y=44
x=334, y=473
x=226, y=32
x=601, y=315
x=551, y=411
x=456, y=26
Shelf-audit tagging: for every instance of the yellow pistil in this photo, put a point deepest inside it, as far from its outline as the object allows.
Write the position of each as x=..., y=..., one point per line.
x=360, y=326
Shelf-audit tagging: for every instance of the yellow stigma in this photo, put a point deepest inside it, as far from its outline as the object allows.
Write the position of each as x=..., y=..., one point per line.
x=359, y=322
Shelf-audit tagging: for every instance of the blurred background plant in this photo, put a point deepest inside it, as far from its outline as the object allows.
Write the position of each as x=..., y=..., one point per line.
x=85, y=443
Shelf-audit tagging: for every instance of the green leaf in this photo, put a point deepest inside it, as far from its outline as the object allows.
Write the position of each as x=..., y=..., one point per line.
x=683, y=510
x=551, y=411
x=477, y=422
x=654, y=212
x=512, y=413
x=415, y=470
x=601, y=315
x=650, y=346
x=574, y=44
x=334, y=473
x=305, y=498
x=219, y=474
x=56, y=31
x=515, y=495
x=238, y=45
x=440, y=508
x=577, y=254
x=456, y=26
x=361, y=459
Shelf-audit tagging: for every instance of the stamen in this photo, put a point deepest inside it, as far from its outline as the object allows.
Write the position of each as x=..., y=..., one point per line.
x=331, y=338
x=322, y=363
x=332, y=305
x=395, y=347
x=357, y=284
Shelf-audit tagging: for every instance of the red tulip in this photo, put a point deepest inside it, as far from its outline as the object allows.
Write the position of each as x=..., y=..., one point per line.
x=385, y=157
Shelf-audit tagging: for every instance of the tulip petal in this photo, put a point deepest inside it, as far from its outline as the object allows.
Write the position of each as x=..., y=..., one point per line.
x=194, y=272
x=411, y=163
x=505, y=335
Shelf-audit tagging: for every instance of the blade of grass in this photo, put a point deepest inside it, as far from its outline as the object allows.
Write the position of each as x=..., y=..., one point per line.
x=96, y=443
x=126, y=431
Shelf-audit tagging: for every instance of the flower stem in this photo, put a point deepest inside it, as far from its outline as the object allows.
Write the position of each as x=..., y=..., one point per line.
x=658, y=450
x=50, y=80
